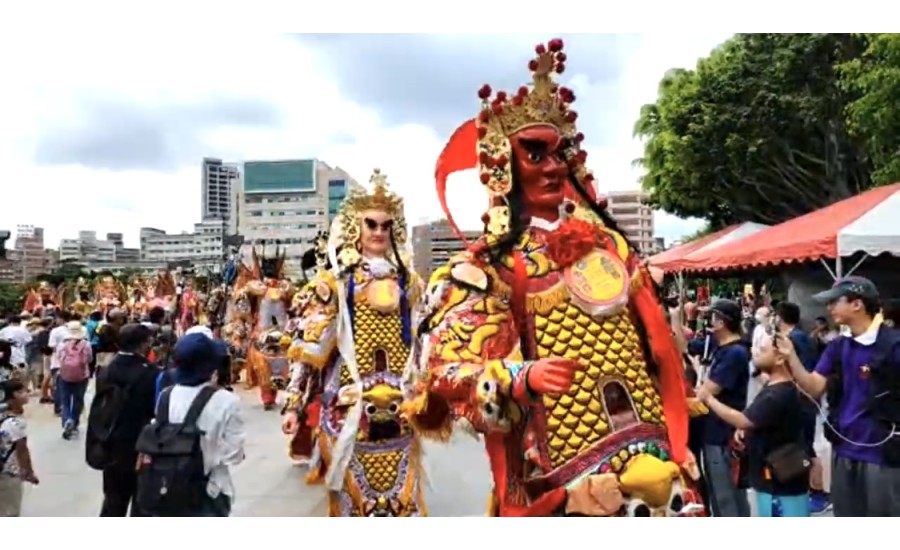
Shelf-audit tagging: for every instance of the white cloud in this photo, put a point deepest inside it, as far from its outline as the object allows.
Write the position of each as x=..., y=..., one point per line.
x=50, y=83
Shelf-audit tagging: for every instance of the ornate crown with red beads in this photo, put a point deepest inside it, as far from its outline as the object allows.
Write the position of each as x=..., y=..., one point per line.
x=483, y=143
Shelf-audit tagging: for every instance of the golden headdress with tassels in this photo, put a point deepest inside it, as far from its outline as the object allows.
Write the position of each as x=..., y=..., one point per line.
x=359, y=200
x=483, y=142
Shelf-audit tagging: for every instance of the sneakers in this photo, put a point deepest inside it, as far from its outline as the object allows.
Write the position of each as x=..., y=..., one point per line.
x=819, y=503
x=68, y=429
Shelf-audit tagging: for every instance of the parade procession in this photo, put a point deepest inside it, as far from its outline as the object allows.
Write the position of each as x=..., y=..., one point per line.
x=576, y=372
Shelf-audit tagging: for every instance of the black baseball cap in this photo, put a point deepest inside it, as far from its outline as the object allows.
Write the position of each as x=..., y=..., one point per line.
x=727, y=309
x=846, y=286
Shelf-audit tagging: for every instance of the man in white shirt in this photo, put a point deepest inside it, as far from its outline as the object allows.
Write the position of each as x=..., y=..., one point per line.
x=19, y=337
x=197, y=357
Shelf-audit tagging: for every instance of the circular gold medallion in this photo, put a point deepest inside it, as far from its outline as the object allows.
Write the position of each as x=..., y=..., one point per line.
x=598, y=279
x=383, y=295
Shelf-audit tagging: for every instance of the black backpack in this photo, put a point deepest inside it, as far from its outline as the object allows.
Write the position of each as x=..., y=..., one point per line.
x=171, y=477
x=103, y=420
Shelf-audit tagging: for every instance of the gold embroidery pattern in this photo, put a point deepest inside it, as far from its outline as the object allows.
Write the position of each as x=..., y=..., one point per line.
x=610, y=348
x=375, y=331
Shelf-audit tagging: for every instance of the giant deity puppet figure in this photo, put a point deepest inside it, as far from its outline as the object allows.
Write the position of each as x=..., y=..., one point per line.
x=358, y=334
x=546, y=335
x=302, y=447
x=269, y=293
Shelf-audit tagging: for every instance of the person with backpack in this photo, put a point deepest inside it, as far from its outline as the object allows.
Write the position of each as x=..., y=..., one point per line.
x=74, y=357
x=186, y=453
x=859, y=374
x=124, y=404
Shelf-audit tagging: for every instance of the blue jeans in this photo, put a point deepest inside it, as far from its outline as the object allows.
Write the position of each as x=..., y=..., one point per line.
x=794, y=506
x=71, y=400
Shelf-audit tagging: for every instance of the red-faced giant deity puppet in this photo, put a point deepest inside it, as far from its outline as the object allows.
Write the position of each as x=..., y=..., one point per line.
x=546, y=335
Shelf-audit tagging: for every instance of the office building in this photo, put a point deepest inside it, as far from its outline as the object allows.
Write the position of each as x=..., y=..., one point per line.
x=634, y=216
x=92, y=252
x=435, y=243
x=217, y=182
x=202, y=249
x=288, y=201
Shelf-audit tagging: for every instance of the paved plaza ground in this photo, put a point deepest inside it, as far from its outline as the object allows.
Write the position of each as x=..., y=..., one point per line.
x=267, y=483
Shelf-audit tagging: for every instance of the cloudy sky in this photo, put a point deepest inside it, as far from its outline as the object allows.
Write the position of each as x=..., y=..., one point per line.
x=108, y=134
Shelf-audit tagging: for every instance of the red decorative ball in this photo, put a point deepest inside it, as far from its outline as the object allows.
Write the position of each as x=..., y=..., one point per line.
x=485, y=177
x=497, y=108
x=484, y=92
x=484, y=116
x=579, y=137
x=570, y=207
x=501, y=161
x=560, y=56
x=588, y=178
x=560, y=68
x=485, y=218
x=483, y=157
x=522, y=91
x=533, y=65
x=581, y=156
x=540, y=49
x=501, y=96
x=571, y=116
x=482, y=131
x=602, y=202
x=518, y=100
x=555, y=45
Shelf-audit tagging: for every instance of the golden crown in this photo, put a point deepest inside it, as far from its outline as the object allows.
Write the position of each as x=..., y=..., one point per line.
x=381, y=198
x=543, y=103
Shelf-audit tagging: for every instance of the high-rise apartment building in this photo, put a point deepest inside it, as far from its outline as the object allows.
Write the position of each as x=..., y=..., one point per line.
x=434, y=243
x=634, y=216
x=288, y=201
x=30, y=257
x=217, y=180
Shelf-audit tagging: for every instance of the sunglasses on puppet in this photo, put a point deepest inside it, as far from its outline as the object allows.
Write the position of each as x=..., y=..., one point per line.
x=374, y=225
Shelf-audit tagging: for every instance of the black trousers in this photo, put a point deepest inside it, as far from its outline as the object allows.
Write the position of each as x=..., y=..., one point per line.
x=119, y=490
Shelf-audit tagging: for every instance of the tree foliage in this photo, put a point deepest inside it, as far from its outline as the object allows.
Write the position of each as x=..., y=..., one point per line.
x=12, y=298
x=756, y=132
x=874, y=80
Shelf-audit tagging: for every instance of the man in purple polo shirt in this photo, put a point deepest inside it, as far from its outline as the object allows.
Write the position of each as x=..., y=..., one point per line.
x=865, y=473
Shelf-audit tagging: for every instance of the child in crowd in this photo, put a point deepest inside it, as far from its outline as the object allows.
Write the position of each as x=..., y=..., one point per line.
x=15, y=458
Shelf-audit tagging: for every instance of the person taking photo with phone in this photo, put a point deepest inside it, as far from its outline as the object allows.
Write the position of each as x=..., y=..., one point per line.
x=859, y=374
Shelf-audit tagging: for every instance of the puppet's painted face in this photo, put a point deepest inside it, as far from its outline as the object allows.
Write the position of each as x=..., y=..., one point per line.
x=375, y=235
x=542, y=171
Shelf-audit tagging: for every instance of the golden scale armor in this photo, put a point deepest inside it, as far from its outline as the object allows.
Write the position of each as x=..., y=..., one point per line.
x=493, y=315
x=372, y=456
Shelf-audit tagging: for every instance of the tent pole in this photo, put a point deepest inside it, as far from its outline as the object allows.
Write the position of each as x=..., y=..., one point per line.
x=839, y=267
x=828, y=268
x=857, y=264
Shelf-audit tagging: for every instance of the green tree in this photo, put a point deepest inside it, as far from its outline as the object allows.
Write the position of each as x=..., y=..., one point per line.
x=12, y=297
x=874, y=80
x=755, y=133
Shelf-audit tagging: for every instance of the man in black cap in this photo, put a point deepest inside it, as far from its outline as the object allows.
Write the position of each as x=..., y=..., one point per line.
x=860, y=373
x=729, y=375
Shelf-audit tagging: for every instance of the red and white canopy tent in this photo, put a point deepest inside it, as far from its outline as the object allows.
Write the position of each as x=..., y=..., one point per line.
x=867, y=224
x=671, y=259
